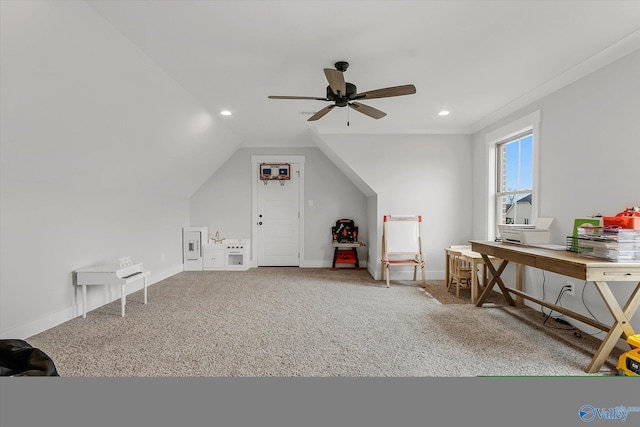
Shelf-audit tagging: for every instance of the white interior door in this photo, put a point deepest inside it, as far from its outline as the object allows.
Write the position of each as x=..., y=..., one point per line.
x=279, y=221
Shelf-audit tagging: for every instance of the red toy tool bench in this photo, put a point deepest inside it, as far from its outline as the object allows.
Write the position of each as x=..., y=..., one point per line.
x=345, y=243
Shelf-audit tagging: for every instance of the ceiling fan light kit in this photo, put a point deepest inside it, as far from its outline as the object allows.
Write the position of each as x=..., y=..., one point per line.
x=343, y=94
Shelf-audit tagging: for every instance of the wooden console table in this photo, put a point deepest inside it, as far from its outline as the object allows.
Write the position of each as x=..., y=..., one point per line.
x=600, y=272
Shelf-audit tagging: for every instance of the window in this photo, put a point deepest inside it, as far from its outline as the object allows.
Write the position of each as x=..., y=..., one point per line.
x=514, y=180
x=512, y=173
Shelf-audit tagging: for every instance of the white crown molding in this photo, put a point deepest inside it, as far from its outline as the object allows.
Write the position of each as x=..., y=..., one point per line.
x=455, y=130
x=605, y=57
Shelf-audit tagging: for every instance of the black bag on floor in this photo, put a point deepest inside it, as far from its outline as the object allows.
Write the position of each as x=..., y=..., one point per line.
x=19, y=359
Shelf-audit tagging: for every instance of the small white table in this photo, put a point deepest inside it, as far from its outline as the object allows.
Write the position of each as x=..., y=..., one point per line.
x=111, y=275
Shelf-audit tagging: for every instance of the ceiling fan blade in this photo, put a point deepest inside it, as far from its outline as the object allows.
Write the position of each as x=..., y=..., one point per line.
x=387, y=92
x=336, y=81
x=297, y=97
x=321, y=113
x=369, y=111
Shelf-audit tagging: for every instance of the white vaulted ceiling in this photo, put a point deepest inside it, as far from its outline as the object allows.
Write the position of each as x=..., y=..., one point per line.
x=117, y=94
x=473, y=58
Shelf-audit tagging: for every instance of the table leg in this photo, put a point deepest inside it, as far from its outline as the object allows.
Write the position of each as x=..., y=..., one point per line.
x=335, y=257
x=447, y=273
x=495, y=280
x=622, y=322
x=474, y=281
x=519, y=271
x=123, y=300
x=355, y=255
x=84, y=301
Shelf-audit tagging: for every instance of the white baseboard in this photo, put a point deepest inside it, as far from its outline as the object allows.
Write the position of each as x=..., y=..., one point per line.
x=35, y=327
x=54, y=319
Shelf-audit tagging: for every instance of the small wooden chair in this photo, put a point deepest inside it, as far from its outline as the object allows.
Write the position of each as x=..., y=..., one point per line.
x=460, y=272
x=448, y=260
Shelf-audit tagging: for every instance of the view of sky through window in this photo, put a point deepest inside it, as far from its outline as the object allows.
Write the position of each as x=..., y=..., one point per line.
x=519, y=164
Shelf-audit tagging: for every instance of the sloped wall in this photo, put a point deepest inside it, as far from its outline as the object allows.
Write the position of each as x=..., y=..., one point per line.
x=428, y=175
x=100, y=152
x=589, y=151
x=223, y=203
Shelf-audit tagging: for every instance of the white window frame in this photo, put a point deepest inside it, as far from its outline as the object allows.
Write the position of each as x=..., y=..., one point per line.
x=528, y=123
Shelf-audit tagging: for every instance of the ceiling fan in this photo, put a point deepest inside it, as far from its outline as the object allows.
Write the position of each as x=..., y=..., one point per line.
x=344, y=94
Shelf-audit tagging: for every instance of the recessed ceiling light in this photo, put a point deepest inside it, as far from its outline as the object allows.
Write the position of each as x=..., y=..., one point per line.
x=443, y=113
x=225, y=112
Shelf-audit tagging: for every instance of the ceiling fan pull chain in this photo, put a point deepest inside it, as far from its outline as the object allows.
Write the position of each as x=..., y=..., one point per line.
x=348, y=116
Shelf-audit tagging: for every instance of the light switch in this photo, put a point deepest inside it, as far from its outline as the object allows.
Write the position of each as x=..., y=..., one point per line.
x=310, y=203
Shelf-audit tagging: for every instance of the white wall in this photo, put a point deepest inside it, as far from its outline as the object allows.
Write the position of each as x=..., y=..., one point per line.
x=100, y=151
x=223, y=202
x=80, y=103
x=49, y=231
x=589, y=162
x=428, y=175
x=373, y=239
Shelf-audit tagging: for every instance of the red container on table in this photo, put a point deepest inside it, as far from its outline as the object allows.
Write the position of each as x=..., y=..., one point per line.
x=626, y=219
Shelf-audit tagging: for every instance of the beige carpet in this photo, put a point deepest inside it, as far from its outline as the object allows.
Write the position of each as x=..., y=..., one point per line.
x=438, y=290
x=292, y=322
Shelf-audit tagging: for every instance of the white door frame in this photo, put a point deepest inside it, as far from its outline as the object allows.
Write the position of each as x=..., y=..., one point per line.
x=255, y=164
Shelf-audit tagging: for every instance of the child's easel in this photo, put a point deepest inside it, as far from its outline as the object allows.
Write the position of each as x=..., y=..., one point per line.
x=402, y=237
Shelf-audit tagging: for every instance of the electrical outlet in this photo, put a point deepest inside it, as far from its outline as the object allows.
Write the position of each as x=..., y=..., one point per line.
x=570, y=288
